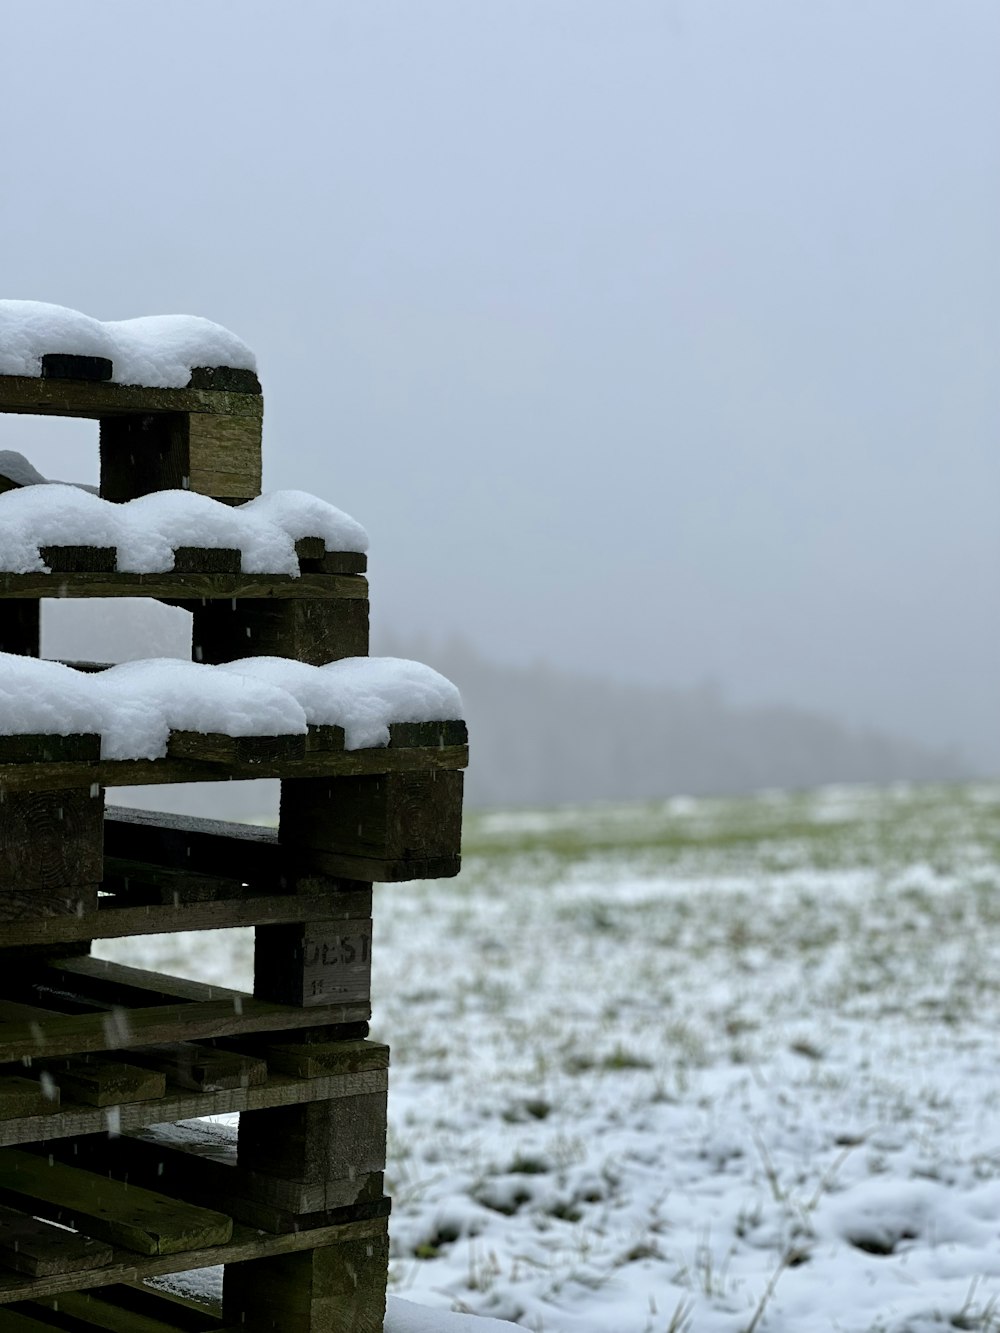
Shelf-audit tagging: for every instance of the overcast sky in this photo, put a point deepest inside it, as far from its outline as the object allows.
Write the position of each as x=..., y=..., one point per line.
x=656, y=339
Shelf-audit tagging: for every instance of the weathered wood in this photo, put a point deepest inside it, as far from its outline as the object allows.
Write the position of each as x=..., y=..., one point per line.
x=67, y=366
x=127, y=1215
x=223, y=848
x=247, y=1243
x=105, y=1082
x=210, y=453
x=53, y=1034
x=314, y=631
x=79, y=559
x=75, y=398
x=50, y=749
x=227, y=379
x=51, y=849
x=115, y=920
x=202, y=1068
x=390, y=827
x=26, y=1097
x=314, y=558
x=314, y=962
x=236, y=751
x=20, y=773
x=320, y=1059
x=336, y=1289
x=20, y=626
x=316, y=1143
x=29, y=1245
x=207, y=560
x=184, y=589
x=198, y=1163
x=74, y=1119
x=179, y=1312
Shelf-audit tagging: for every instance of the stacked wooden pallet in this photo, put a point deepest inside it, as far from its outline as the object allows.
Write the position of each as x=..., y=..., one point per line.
x=108, y=1174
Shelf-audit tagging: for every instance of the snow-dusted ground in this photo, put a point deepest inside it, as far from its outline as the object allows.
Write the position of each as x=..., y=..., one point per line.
x=716, y=1066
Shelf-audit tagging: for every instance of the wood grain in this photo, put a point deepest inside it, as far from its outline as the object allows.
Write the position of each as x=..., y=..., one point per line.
x=127, y=1215
x=29, y=1245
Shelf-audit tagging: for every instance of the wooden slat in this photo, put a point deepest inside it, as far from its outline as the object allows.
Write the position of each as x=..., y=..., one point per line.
x=321, y=1059
x=202, y=1068
x=80, y=1034
x=280, y=1090
x=236, y=751
x=246, y=1243
x=127, y=1215
x=196, y=1162
x=105, y=1082
x=74, y=398
x=178, y=586
x=115, y=921
x=29, y=1245
x=21, y=1097
x=188, y=842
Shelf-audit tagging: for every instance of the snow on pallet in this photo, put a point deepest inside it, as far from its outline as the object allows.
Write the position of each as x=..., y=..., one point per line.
x=369, y=753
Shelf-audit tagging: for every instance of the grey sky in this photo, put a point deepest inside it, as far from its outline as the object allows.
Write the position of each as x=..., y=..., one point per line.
x=656, y=338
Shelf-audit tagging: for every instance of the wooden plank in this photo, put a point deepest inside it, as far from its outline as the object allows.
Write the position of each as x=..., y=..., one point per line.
x=246, y=1244
x=321, y=1059
x=80, y=1034
x=190, y=842
x=198, y=1163
x=115, y=921
x=105, y=1082
x=128, y=1215
x=312, y=963
x=21, y=1097
x=202, y=1068
x=74, y=398
x=29, y=1245
x=309, y=630
x=80, y=559
x=139, y=882
x=68, y=366
x=236, y=751
x=49, y=775
x=189, y=1315
x=185, y=588
x=279, y=1090
x=121, y=984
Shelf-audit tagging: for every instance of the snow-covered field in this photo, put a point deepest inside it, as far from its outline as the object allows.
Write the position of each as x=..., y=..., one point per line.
x=715, y=1066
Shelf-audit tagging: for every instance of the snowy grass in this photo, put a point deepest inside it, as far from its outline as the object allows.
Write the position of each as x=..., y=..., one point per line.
x=695, y=1067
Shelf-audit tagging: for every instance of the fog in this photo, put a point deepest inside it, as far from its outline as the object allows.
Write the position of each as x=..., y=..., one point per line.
x=654, y=341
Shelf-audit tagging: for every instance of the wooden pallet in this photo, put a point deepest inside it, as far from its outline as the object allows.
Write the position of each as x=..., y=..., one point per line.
x=108, y=1176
